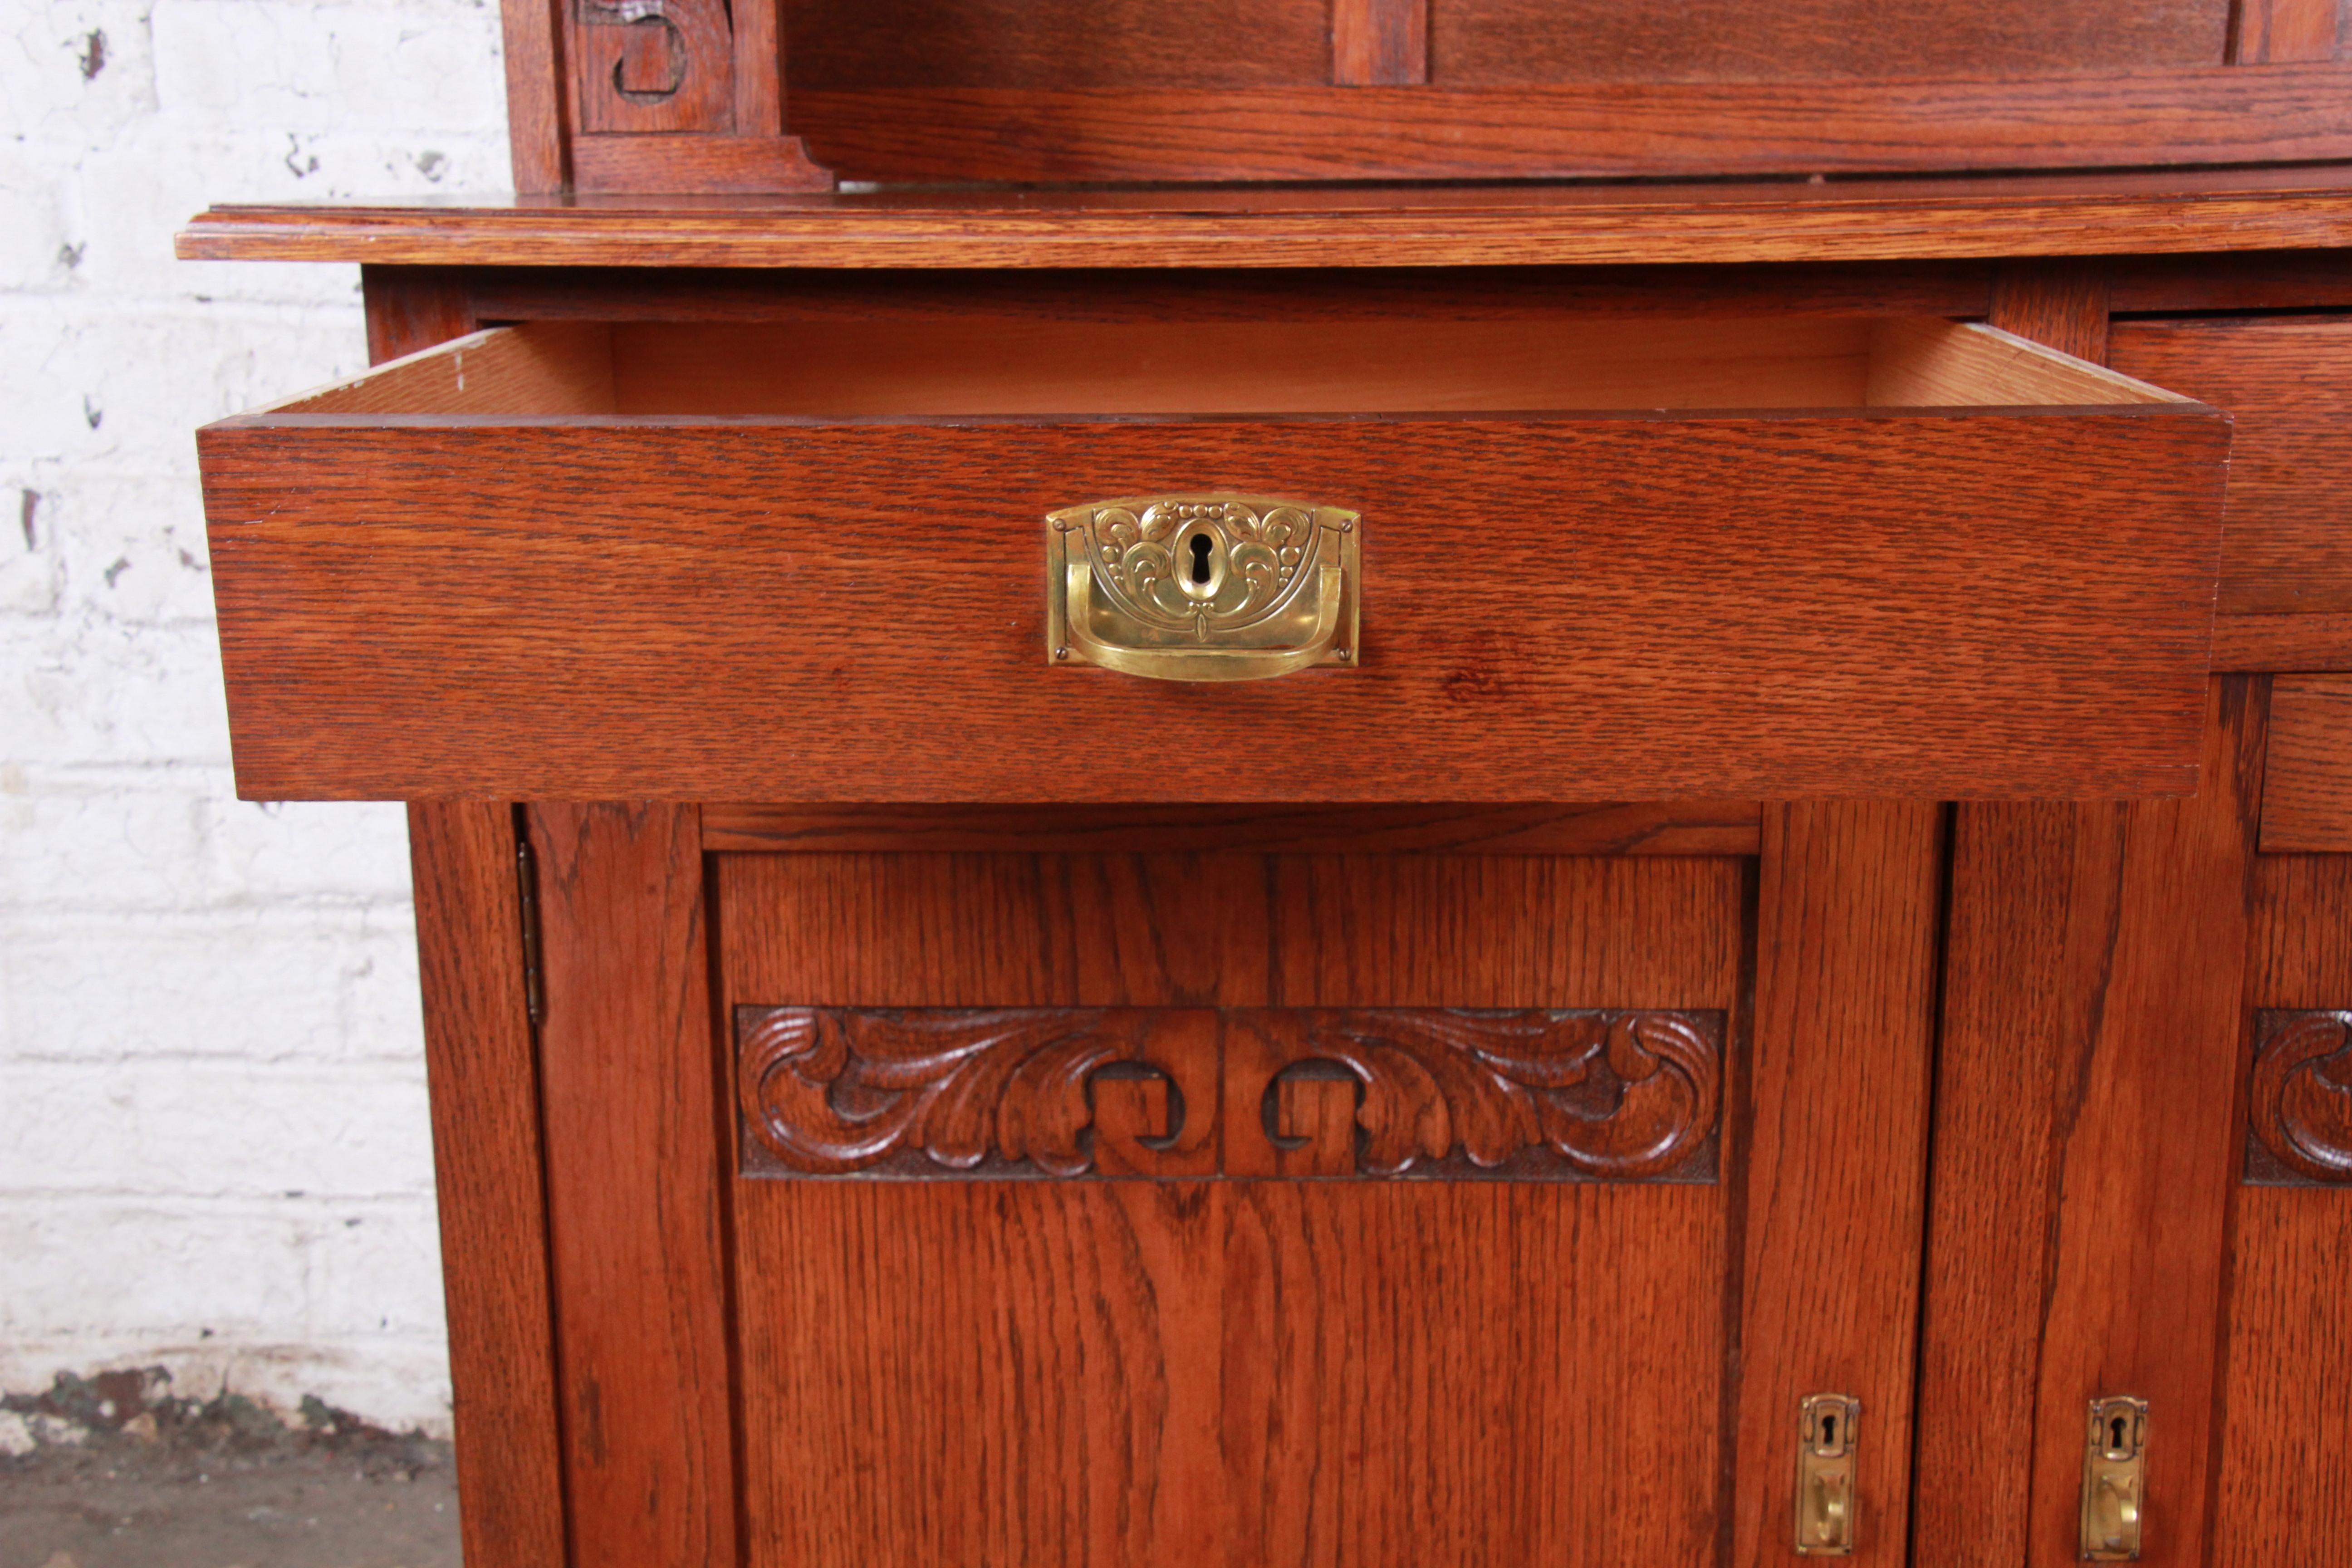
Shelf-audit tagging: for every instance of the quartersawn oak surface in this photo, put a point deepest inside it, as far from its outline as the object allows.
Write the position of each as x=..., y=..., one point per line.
x=1182, y=1372
x=2051, y=215
x=1558, y=606
x=2287, y=1422
x=2087, y=1136
x=634, y=1186
x=2288, y=382
x=2307, y=792
x=487, y=1162
x=1648, y=828
x=1834, y=1123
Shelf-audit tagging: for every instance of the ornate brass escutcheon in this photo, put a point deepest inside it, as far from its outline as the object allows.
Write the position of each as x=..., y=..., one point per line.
x=2114, y=1459
x=1201, y=587
x=1827, y=1428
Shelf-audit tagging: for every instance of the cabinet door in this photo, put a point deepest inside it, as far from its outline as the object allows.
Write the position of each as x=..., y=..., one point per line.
x=1145, y=1205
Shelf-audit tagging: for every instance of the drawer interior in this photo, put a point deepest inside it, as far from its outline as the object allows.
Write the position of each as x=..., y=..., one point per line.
x=853, y=369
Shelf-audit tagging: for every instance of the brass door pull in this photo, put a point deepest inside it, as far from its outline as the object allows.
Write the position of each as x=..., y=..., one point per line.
x=1207, y=587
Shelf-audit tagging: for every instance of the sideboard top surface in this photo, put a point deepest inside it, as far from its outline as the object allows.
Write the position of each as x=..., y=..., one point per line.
x=2303, y=207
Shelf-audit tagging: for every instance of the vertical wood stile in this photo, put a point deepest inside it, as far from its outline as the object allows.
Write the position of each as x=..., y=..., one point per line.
x=2086, y=1123
x=2085, y=1106
x=2275, y=31
x=1380, y=43
x=1847, y=917
x=480, y=1060
x=634, y=1176
x=759, y=69
x=533, y=35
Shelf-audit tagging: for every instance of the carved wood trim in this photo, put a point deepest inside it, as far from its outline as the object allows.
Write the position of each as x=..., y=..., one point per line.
x=1258, y=1092
x=837, y=1091
x=2300, y=1102
x=1616, y=1096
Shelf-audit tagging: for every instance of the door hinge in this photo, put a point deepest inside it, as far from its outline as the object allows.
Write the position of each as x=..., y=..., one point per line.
x=534, y=997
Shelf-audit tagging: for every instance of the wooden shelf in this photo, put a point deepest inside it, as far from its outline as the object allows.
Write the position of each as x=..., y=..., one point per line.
x=2307, y=207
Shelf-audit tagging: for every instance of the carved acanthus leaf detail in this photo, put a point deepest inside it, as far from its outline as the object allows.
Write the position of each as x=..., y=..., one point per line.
x=1622, y=1096
x=828, y=1091
x=2301, y=1096
x=1250, y=1092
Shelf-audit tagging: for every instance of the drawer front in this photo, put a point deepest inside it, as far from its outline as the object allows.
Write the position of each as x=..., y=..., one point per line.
x=1927, y=603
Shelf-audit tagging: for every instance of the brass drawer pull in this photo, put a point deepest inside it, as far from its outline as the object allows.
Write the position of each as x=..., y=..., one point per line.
x=1203, y=587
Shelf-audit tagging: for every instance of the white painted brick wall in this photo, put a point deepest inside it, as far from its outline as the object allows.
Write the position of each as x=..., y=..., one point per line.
x=214, y=1150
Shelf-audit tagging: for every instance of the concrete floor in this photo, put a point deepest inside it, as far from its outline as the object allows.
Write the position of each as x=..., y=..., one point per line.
x=122, y=1507
x=115, y=1471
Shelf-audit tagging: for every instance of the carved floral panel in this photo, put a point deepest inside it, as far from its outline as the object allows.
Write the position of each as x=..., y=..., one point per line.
x=1380, y=1093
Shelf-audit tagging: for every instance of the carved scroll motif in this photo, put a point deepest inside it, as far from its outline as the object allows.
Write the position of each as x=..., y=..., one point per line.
x=1622, y=1096
x=1616, y=1096
x=832, y=1091
x=2300, y=1102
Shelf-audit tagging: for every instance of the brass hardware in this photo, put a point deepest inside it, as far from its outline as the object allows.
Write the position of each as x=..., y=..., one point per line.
x=1201, y=587
x=1827, y=1425
x=2114, y=1459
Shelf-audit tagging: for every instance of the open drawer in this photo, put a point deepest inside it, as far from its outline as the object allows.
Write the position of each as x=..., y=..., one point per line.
x=1593, y=560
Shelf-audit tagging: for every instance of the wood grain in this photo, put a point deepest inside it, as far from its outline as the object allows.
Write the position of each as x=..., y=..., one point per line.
x=2238, y=210
x=1380, y=43
x=2288, y=384
x=759, y=54
x=1615, y=129
x=536, y=114
x=2303, y=930
x=634, y=1186
x=1170, y=1372
x=411, y=309
x=1494, y=42
x=1231, y=931
x=836, y=370
x=2087, y=1136
x=556, y=368
x=2288, y=1419
x=1142, y=44
x=2263, y=643
x=1455, y=1373
x=482, y=1065
x=697, y=165
x=2288, y=30
x=412, y=608
x=2064, y=304
x=1658, y=827
x=2307, y=788
x=1836, y=1154
x=1934, y=364
x=903, y=368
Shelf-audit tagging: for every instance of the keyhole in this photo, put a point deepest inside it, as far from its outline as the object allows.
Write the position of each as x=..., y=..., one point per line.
x=2115, y=1431
x=1828, y=1431
x=1201, y=547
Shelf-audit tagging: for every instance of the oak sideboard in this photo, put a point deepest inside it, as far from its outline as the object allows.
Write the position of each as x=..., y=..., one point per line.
x=1382, y=782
